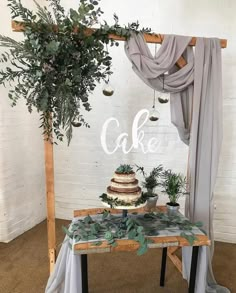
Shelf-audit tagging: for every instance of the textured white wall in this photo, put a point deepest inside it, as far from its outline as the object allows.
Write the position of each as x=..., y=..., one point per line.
x=83, y=170
x=22, y=192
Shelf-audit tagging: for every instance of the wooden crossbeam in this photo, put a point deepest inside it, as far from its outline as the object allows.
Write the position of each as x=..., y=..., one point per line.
x=152, y=38
x=149, y=38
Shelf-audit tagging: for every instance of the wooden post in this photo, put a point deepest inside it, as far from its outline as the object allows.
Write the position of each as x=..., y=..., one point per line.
x=50, y=196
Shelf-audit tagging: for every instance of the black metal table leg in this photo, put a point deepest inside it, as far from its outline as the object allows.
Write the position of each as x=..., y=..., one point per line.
x=124, y=213
x=193, y=270
x=163, y=267
x=84, y=272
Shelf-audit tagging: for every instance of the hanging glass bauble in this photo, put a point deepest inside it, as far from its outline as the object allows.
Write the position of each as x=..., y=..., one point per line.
x=163, y=98
x=108, y=90
x=76, y=122
x=154, y=115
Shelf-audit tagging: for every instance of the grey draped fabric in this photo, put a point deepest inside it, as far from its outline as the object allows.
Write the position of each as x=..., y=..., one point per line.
x=196, y=111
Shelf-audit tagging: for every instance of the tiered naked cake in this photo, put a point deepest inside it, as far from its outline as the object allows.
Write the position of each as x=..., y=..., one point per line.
x=124, y=186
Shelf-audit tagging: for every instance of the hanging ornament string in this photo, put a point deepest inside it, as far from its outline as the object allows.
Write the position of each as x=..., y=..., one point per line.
x=154, y=96
x=163, y=85
x=76, y=122
x=108, y=76
x=154, y=100
x=164, y=98
x=154, y=115
x=107, y=88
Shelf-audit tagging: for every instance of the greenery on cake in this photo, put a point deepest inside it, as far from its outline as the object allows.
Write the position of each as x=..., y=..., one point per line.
x=114, y=202
x=124, y=169
x=151, y=180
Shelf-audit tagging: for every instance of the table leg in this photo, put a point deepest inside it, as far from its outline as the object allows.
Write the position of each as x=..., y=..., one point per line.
x=193, y=270
x=84, y=272
x=163, y=266
x=124, y=213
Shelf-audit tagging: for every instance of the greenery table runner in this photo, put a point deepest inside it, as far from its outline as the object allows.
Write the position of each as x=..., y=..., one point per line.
x=141, y=227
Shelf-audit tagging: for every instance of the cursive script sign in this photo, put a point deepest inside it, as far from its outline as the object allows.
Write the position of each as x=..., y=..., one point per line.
x=137, y=135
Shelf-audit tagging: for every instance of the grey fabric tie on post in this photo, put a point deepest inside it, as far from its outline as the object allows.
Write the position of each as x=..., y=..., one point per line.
x=196, y=111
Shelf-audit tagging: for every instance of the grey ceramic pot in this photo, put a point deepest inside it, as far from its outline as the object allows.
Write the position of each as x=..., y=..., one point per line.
x=152, y=202
x=172, y=210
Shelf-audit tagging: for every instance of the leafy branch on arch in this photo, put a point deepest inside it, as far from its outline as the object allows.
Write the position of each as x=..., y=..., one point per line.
x=58, y=65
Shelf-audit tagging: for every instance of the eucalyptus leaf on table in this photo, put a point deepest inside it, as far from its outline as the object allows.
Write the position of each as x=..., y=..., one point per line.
x=137, y=227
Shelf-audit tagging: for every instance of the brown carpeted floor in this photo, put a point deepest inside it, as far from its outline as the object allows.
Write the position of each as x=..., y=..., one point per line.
x=24, y=267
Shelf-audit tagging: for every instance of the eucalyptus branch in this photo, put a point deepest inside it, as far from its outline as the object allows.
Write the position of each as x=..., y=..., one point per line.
x=18, y=10
x=43, y=14
x=63, y=62
x=58, y=10
x=8, y=42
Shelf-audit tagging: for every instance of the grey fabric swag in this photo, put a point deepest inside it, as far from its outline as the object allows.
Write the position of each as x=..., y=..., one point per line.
x=196, y=111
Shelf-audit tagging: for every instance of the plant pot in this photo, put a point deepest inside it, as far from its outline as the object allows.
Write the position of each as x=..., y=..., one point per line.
x=151, y=202
x=172, y=209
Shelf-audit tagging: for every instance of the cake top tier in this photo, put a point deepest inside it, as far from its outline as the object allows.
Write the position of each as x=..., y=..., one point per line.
x=124, y=178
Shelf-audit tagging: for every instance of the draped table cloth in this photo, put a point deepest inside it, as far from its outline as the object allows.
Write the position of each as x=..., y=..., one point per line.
x=66, y=276
x=196, y=110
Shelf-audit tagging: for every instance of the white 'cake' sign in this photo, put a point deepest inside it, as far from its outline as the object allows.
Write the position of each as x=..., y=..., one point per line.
x=137, y=135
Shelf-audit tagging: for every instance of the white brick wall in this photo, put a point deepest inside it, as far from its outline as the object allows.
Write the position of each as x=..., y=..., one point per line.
x=83, y=170
x=22, y=192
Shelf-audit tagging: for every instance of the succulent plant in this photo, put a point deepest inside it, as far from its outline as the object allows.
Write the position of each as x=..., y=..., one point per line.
x=124, y=169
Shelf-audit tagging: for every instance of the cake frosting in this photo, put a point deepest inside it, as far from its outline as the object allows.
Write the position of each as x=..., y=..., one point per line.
x=124, y=187
x=128, y=197
x=124, y=177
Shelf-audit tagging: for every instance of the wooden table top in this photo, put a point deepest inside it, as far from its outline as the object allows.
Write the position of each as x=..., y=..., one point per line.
x=132, y=245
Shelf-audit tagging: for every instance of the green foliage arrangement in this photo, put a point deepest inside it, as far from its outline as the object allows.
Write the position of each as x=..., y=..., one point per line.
x=152, y=180
x=174, y=185
x=116, y=202
x=109, y=228
x=124, y=169
x=58, y=65
x=169, y=222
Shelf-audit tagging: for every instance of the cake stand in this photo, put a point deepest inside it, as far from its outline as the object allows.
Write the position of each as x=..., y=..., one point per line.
x=125, y=208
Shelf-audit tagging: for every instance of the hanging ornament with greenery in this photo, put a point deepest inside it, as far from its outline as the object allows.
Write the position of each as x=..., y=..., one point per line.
x=59, y=62
x=107, y=89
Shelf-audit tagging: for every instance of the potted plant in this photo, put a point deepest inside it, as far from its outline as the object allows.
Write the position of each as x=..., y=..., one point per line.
x=150, y=183
x=174, y=184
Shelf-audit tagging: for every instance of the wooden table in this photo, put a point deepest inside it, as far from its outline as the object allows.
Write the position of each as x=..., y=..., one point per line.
x=169, y=242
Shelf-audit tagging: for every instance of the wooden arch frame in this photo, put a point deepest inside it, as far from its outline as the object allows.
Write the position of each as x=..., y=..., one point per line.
x=49, y=159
